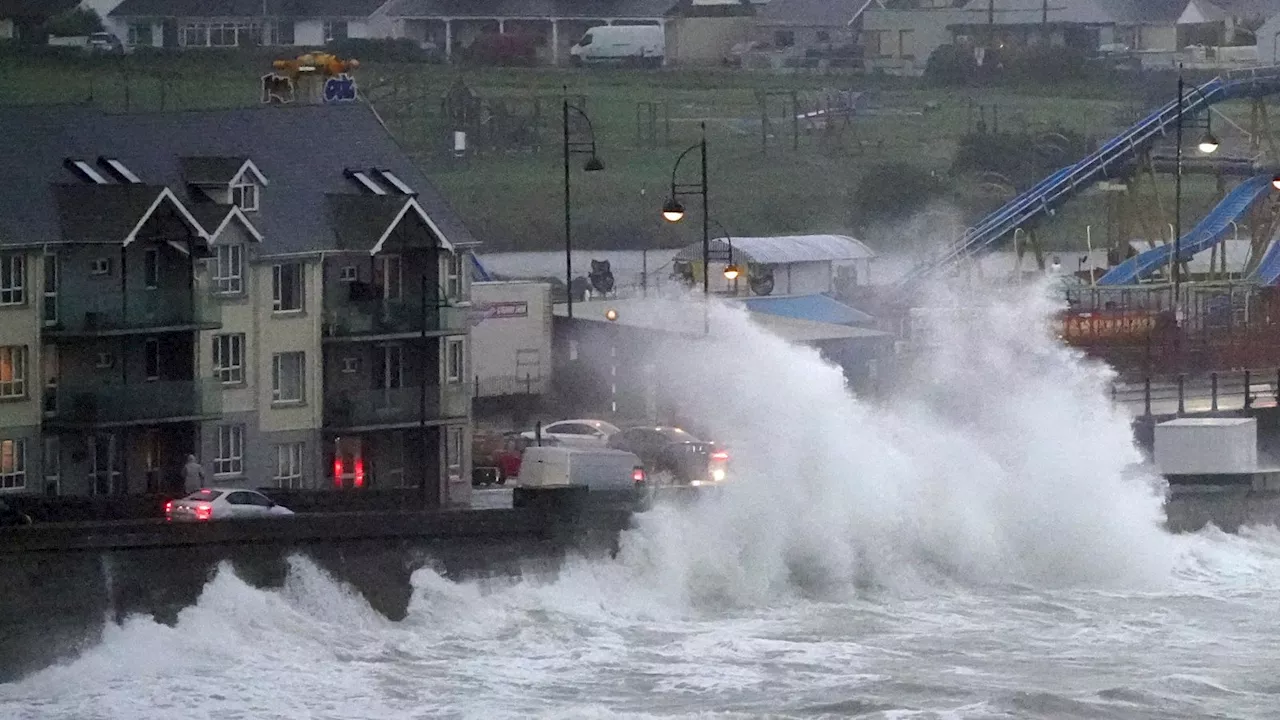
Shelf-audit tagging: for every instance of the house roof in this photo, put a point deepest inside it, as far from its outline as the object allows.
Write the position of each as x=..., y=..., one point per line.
x=246, y=8
x=1212, y=10
x=783, y=249
x=813, y=13
x=110, y=213
x=283, y=142
x=587, y=9
x=209, y=170
x=1140, y=11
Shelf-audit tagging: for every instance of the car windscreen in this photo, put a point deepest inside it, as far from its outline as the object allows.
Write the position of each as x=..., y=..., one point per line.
x=204, y=495
x=676, y=435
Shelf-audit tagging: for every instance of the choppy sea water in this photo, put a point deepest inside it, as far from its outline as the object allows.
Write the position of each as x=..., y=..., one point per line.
x=979, y=547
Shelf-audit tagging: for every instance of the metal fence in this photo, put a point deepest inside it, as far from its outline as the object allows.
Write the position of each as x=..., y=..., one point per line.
x=1177, y=395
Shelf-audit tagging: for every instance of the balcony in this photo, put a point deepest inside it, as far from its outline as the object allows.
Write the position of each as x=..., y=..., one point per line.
x=386, y=319
x=143, y=403
x=143, y=311
x=395, y=407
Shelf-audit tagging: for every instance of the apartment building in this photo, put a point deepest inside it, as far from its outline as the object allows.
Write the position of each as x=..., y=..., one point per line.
x=278, y=291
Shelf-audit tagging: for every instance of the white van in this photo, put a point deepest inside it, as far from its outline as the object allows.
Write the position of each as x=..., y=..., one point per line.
x=628, y=44
x=600, y=469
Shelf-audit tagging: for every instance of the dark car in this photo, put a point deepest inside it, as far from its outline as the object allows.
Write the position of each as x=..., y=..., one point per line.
x=10, y=517
x=670, y=450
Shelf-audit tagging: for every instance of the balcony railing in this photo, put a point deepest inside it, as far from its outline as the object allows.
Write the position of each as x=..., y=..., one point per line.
x=142, y=310
x=396, y=406
x=131, y=403
x=392, y=317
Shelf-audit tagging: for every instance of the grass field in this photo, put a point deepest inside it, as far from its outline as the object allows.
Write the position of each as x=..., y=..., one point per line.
x=514, y=199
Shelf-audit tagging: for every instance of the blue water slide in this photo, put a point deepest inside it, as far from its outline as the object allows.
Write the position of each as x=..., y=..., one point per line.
x=1212, y=228
x=478, y=271
x=1100, y=163
x=1268, y=271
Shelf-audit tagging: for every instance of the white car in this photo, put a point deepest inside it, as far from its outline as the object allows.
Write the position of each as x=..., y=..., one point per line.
x=575, y=433
x=222, y=504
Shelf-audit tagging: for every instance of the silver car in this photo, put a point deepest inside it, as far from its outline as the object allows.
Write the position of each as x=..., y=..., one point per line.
x=223, y=504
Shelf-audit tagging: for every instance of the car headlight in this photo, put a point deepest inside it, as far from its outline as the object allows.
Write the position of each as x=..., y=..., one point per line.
x=718, y=475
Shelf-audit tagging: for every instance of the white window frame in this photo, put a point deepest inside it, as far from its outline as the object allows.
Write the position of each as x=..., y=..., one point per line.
x=100, y=266
x=453, y=450
x=13, y=279
x=13, y=465
x=328, y=26
x=289, y=466
x=184, y=37
x=348, y=273
x=454, y=371
x=281, y=395
x=14, y=357
x=228, y=459
x=245, y=196
x=228, y=358
x=228, y=269
x=350, y=365
x=134, y=34
x=277, y=289
x=452, y=275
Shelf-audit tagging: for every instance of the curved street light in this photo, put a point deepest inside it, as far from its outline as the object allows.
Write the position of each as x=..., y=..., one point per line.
x=593, y=164
x=732, y=271
x=673, y=211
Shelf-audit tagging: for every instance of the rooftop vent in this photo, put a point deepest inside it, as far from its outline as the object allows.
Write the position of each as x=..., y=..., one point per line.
x=365, y=181
x=118, y=169
x=85, y=171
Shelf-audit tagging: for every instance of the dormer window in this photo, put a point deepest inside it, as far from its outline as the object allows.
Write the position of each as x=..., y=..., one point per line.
x=245, y=196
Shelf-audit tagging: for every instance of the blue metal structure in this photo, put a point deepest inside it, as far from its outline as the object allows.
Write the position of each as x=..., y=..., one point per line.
x=1071, y=179
x=1268, y=270
x=1212, y=228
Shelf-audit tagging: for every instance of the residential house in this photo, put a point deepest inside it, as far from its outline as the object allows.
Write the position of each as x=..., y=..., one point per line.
x=900, y=35
x=209, y=283
x=242, y=23
x=22, y=19
x=558, y=24
x=799, y=27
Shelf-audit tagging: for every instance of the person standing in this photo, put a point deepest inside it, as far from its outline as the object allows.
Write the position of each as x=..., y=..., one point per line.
x=192, y=475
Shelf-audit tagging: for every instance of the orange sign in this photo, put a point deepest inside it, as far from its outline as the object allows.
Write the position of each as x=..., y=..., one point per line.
x=1108, y=325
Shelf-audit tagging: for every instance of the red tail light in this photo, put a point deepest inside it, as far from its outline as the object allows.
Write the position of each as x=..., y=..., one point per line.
x=638, y=476
x=359, y=472
x=204, y=511
x=720, y=455
x=337, y=471
x=168, y=507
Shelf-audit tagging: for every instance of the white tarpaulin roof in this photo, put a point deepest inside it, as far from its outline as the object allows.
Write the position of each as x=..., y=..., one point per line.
x=782, y=249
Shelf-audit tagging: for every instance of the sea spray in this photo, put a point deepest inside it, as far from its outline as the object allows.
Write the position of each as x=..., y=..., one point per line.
x=1002, y=461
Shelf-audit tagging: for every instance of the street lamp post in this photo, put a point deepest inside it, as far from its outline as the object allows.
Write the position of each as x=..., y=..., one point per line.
x=593, y=164
x=673, y=211
x=1208, y=145
x=731, y=270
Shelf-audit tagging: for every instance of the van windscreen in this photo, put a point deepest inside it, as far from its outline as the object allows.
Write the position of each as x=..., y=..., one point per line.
x=585, y=41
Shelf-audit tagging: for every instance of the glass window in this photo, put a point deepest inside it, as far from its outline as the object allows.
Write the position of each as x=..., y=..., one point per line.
x=13, y=280
x=195, y=35
x=207, y=495
x=13, y=464
x=453, y=275
x=289, y=466
x=784, y=38
x=280, y=33
x=286, y=287
x=454, y=361
x=151, y=269
x=140, y=34
x=287, y=377
x=245, y=197
x=151, y=358
x=453, y=450
x=229, y=459
x=13, y=371
x=228, y=358
x=906, y=45
x=335, y=30
x=238, y=498
x=390, y=276
x=228, y=270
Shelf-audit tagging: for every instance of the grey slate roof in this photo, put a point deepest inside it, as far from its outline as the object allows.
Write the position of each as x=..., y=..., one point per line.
x=488, y=9
x=813, y=13
x=212, y=170
x=301, y=150
x=1141, y=11
x=101, y=213
x=246, y=8
x=359, y=220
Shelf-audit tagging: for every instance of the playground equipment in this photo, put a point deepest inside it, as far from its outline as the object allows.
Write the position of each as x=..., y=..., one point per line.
x=310, y=78
x=1106, y=162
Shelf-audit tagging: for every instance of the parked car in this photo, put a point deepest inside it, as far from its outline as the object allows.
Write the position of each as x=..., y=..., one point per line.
x=643, y=45
x=223, y=504
x=575, y=433
x=9, y=517
x=675, y=452
x=597, y=469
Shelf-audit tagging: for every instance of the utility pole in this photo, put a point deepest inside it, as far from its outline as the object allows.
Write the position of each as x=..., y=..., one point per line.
x=1044, y=16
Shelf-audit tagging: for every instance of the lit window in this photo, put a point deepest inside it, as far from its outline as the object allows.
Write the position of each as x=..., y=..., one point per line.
x=289, y=466
x=228, y=270
x=228, y=358
x=13, y=280
x=287, y=384
x=229, y=459
x=286, y=287
x=245, y=197
x=13, y=464
x=13, y=371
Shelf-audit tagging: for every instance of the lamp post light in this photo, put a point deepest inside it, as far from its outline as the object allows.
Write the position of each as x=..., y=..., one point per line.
x=1208, y=145
x=593, y=164
x=732, y=271
x=673, y=211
